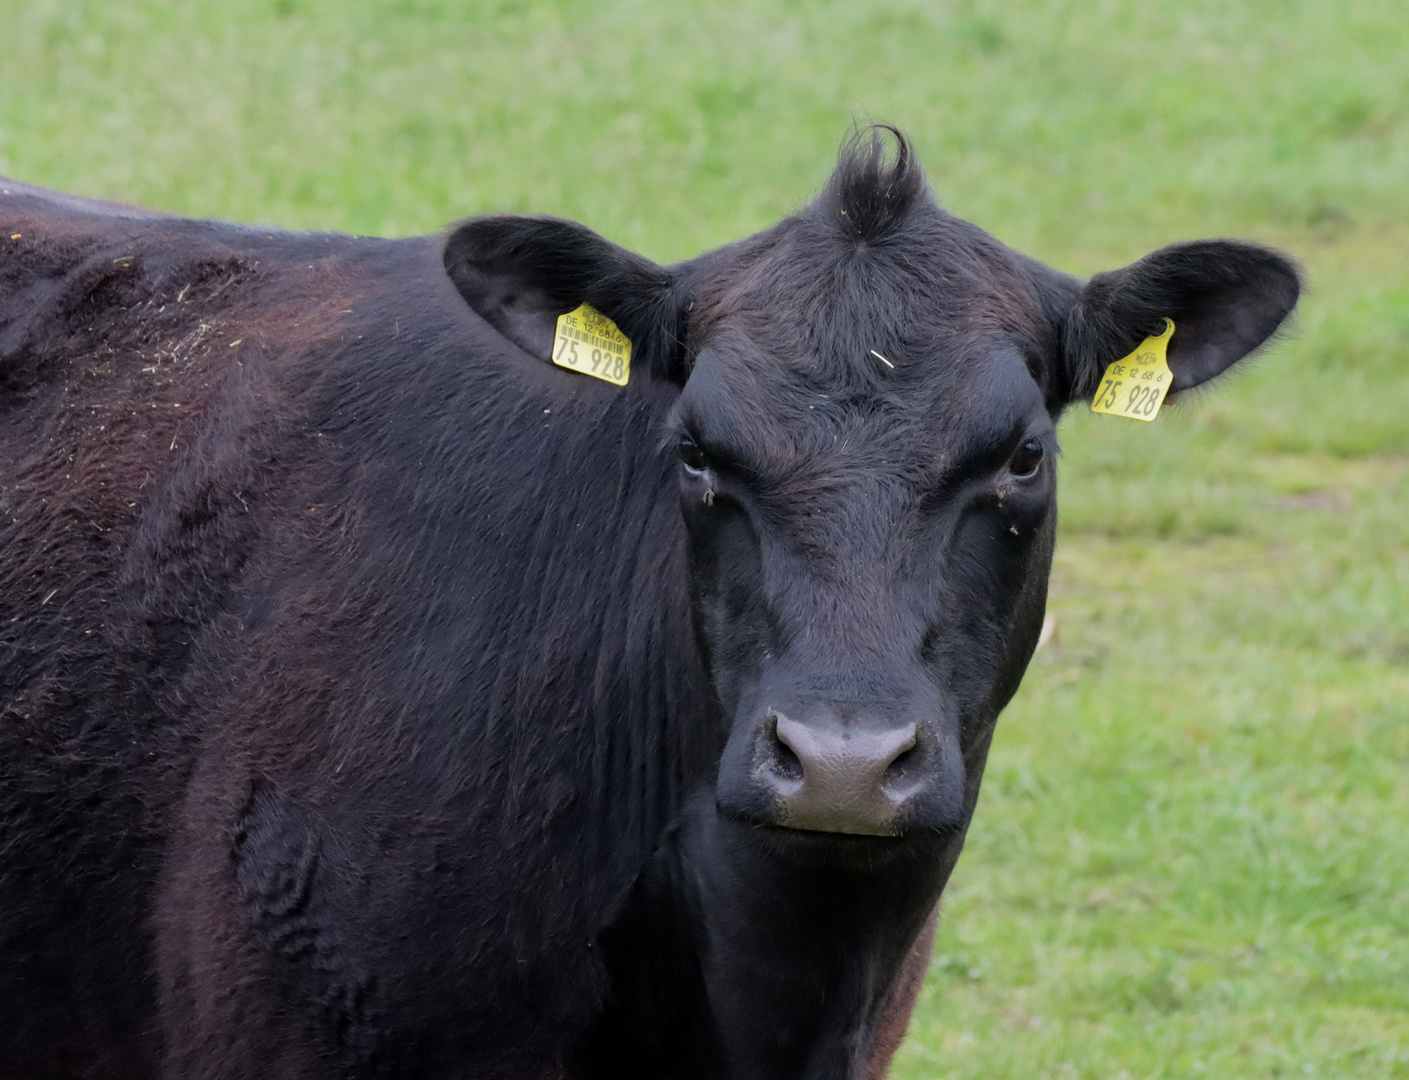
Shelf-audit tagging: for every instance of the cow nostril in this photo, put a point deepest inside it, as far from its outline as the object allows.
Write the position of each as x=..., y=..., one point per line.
x=785, y=762
x=901, y=767
x=780, y=758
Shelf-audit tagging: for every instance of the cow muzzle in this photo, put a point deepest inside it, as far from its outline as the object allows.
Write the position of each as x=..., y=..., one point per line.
x=821, y=772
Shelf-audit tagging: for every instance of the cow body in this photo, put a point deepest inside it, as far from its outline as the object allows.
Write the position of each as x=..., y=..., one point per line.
x=378, y=700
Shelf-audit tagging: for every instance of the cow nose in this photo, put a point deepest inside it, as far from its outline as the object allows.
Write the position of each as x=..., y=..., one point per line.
x=837, y=778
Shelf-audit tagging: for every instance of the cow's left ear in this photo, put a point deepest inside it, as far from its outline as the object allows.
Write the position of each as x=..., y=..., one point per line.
x=1226, y=298
x=521, y=273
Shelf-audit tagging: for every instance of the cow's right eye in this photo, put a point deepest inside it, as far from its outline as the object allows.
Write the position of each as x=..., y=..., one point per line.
x=690, y=454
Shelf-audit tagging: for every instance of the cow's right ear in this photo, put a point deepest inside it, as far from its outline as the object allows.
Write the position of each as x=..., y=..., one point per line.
x=521, y=273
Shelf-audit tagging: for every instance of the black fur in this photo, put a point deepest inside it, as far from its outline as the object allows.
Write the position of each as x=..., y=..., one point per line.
x=870, y=197
x=378, y=700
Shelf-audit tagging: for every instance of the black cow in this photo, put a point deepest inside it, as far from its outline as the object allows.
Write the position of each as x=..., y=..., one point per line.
x=379, y=700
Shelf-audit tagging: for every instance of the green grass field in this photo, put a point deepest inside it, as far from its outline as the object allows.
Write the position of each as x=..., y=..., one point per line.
x=1192, y=853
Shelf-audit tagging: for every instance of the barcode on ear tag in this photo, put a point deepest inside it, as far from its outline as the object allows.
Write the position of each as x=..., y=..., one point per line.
x=589, y=342
x=1135, y=385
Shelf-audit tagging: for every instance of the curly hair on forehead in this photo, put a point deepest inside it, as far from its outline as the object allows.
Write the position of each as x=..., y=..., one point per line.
x=871, y=197
x=876, y=184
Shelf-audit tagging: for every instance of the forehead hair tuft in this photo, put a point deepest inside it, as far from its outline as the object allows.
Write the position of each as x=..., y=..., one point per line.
x=876, y=184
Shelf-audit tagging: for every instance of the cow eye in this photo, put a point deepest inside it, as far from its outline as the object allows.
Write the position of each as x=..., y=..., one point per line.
x=1026, y=459
x=690, y=454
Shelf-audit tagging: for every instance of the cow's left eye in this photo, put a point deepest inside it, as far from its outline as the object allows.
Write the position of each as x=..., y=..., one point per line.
x=1027, y=459
x=690, y=454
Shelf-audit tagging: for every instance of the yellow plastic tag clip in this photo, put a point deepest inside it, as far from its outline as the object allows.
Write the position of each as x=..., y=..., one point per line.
x=1135, y=385
x=589, y=342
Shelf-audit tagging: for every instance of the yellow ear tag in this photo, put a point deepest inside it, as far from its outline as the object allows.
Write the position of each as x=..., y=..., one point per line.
x=1135, y=385
x=589, y=342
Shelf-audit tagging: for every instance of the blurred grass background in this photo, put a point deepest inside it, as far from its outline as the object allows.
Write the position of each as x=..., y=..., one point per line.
x=1192, y=853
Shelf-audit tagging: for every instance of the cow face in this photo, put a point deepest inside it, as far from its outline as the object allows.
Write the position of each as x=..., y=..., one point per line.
x=868, y=557
x=865, y=461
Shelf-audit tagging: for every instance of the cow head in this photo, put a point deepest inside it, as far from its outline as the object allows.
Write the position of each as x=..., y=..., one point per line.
x=865, y=435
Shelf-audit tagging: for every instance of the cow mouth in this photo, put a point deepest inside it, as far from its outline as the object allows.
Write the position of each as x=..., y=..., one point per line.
x=838, y=850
